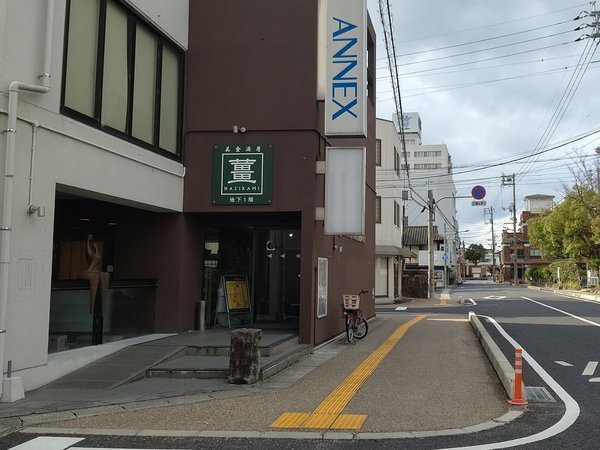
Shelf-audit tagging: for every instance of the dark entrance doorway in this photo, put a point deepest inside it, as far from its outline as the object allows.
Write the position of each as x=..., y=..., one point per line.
x=270, y=259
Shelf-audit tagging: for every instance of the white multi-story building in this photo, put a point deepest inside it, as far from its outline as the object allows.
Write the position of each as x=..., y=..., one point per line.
x=91, y=118
x=389, y=214
x=430, y=168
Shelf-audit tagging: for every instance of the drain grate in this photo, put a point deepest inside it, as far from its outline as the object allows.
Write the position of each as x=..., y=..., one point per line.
x=538, y=394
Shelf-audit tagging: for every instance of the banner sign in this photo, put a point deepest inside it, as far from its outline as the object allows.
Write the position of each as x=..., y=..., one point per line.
x=346, y=74
x=345, y=177
x=242, y=174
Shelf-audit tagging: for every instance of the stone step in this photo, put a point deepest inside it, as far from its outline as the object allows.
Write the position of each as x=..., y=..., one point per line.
x=223, y=350
x=204, y=367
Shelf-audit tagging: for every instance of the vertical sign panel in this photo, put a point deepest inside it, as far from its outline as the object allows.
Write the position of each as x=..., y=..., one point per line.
x=322, y=287
x=345, y=191
x=346, y=73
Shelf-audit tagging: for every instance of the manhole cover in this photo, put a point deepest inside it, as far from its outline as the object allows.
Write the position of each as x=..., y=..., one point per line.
x=538, y=394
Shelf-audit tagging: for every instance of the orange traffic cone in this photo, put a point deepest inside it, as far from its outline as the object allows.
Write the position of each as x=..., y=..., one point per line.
x=518, y=391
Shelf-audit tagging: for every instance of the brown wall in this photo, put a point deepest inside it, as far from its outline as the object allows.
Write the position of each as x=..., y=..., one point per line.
x=251, y=64
x=254, y=65
x=166, y=247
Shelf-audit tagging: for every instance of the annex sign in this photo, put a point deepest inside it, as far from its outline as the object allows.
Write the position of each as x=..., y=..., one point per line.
x=242, y=174
x=346, y=73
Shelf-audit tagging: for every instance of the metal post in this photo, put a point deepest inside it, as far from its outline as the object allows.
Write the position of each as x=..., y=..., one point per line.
x=201, y=320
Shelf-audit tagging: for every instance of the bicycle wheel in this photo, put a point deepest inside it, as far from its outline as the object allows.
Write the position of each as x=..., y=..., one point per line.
x=361, y=327
x=350, y=320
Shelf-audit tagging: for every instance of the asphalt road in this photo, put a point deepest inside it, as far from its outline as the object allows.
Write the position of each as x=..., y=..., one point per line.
x=561, y=342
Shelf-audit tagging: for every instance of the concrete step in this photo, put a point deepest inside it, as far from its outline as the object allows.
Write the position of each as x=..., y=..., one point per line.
x=199, y=366
x=268, y=349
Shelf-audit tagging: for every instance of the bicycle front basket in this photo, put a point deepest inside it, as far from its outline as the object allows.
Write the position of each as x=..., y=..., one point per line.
x=351, y=301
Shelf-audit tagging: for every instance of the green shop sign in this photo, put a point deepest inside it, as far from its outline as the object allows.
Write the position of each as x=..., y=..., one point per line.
x=242, y=174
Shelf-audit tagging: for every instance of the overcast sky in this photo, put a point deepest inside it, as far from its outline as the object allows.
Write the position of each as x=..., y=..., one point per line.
x=488, y=107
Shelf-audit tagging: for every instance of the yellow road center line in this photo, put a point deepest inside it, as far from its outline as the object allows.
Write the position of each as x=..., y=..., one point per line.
x=327, y=414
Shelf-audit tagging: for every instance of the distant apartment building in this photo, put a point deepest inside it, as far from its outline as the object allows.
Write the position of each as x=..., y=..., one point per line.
x=429, y=167
x=389, y=214
x=526, y=255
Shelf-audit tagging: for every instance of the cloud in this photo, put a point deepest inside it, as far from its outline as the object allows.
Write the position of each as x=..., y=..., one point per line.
x=494, y=120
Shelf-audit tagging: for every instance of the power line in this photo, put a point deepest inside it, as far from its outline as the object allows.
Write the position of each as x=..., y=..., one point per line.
x=482, y=40
x=493, y=25
x=485, y=49
x=445, y=88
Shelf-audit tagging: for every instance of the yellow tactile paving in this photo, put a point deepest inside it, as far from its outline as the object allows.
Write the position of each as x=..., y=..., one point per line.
x=320, y=420
x=329, y=413
x=290, y=420
x=349, y=422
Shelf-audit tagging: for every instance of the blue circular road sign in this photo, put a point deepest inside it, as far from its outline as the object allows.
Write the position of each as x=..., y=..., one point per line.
x=478, y=192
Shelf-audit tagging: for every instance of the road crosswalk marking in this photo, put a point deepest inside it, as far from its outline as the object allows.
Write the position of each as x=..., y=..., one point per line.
x=563, y=363
x=590, y=368
x=48, y=443
x=59, y=443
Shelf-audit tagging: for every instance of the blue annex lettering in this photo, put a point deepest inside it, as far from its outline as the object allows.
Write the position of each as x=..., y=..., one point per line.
x=344, y=86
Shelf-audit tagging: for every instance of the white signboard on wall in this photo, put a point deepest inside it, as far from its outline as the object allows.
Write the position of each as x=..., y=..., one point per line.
x=346, y=68
x=322, y=286
x=345, y=177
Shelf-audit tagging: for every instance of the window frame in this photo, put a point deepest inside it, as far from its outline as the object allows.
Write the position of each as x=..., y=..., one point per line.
x=133, y=20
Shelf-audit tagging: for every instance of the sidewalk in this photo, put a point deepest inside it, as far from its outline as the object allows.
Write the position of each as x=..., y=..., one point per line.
x=435, y=380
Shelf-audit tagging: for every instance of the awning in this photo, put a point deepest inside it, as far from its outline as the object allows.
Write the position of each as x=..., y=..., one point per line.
x=392, y=250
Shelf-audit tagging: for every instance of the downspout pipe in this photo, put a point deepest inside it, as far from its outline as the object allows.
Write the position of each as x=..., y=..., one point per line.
x=7, y=205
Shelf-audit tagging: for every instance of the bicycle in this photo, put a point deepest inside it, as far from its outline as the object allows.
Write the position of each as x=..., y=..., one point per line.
x=356, y=324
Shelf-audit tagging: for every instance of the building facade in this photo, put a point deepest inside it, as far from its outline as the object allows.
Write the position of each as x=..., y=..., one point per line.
x=526, y=255
x=389, y=214
x=262, y=85
x=429, y=168
x=116, y=122
x=91, y=98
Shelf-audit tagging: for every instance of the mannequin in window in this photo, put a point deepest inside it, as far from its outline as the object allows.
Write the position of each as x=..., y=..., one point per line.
x=94, y=274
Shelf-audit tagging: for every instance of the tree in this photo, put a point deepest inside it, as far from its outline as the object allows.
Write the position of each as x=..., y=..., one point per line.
x=475, y=253
x=571, y=229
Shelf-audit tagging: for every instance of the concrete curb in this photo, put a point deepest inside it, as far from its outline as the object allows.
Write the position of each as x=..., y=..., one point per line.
x=567, y=293
x=503, y=368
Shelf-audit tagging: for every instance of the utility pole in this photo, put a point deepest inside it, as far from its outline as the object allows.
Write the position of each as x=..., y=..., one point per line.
x=491, y=211
x=507, y=180
x=445, y=259
x=430, y=267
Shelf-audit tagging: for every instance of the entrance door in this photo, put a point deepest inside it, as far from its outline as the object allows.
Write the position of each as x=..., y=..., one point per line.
x=269, y=258
x=276, y=280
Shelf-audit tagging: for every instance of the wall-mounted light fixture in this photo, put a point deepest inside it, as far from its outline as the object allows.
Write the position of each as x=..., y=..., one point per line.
x=40, y=210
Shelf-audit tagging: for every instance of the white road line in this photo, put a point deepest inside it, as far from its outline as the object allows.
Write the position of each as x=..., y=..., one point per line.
x=564, y=364
x=48, y=443
x=571, y=407
x=590, y=368
x=473, y=302
x=107, y=448
x=449, y=320
x=401, y=308
x=564, y=312
x=595, y=380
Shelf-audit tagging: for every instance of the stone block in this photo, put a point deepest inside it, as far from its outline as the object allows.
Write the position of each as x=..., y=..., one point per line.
x=12, y=390
x=244, y=356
